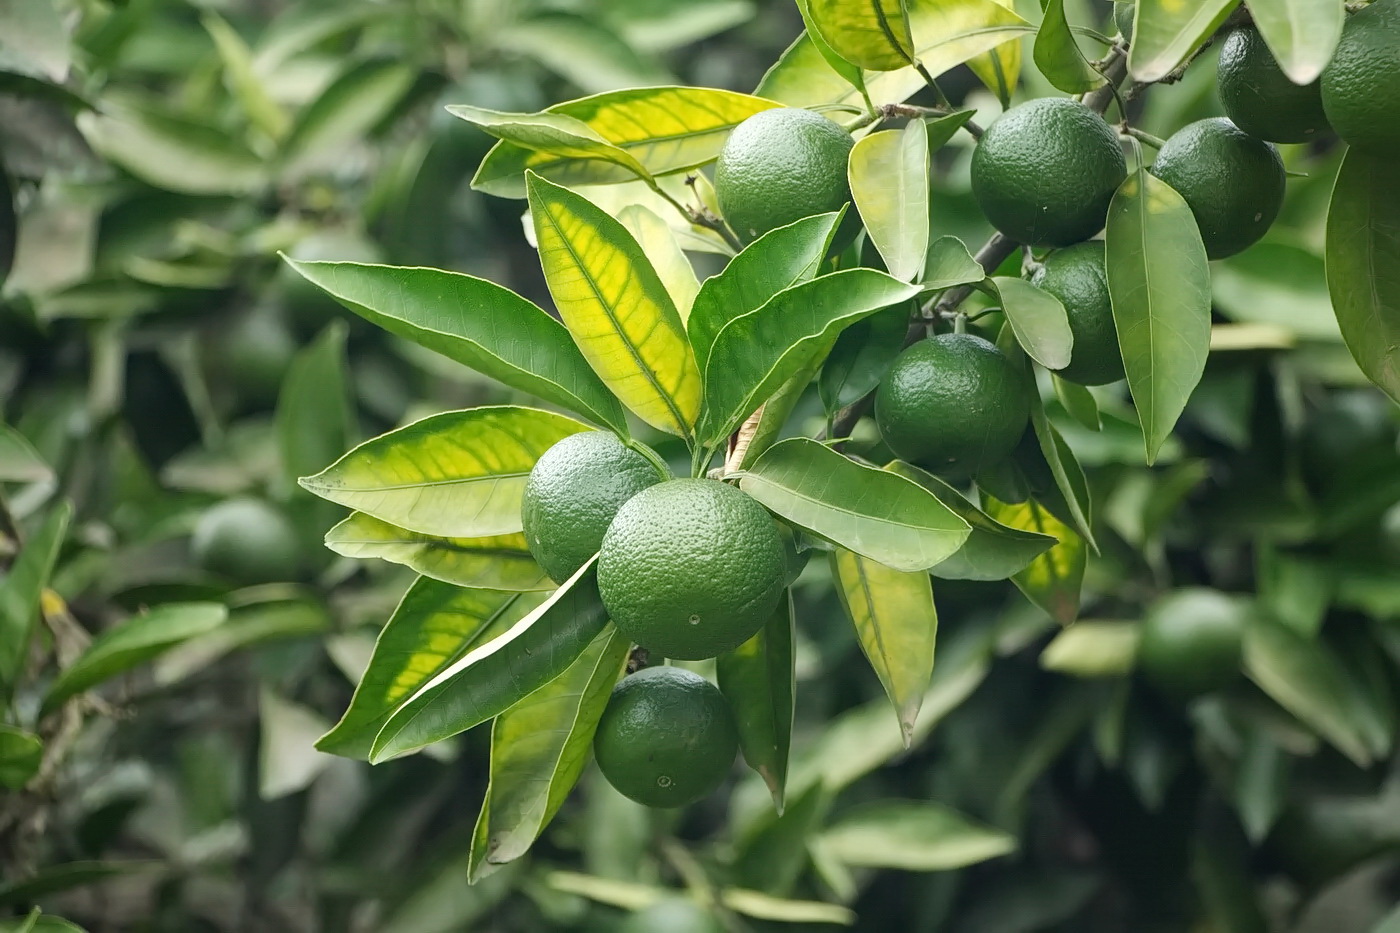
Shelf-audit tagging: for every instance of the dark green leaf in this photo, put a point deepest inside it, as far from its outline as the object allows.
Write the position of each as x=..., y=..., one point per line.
x=861, y=357
x=773, y=854
x=20, y=754
x=69, y=875
x=1069, y=476
x=758, y=679
x=942, y=129
x=314, y=417
x=1057, y=55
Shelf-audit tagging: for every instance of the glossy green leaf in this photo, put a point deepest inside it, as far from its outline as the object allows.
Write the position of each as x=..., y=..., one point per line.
x=1069, y=476
x=1094, y=649
x=494, y=676
x=1159, y=281
x=873, y=34
x=896, y=625
x=554, y=134
x=19, y=461
x=539, y=747
x=133, y=642
x=992, y=550
x=913, y=836
x=755, y=354
x=475, y=322
x=1304, y=676
x=889, y=176
x=949, y=263
x=777, y=260
x=1165, y=32
x=1057, y=55
x=20, y=592
x=313, y=407
x=1363, y=264
x=616, y=308
x=659, y=243
x=861, y=356
x=1302, y=34
x=1053, y=580
x=345, y=112
x=172, y=153
x=1078, y=402
x=870, y=511
x=665, y=129
x=434, y=625
x=502, y=562
x=1276, y=283
x=852, y=73
x=758, y=679
x=1038, y=320
x=20, y=754
x=460, y=474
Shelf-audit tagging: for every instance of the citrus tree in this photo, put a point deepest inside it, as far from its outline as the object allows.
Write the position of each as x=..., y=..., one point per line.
x=667, y=512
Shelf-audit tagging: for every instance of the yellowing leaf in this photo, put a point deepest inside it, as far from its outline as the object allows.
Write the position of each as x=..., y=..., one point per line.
x=660, y=245
x=501, y=562
x=616, y=308
x=555, y=134
x=1000, y=68
x=873, y=34
x=1051, y=581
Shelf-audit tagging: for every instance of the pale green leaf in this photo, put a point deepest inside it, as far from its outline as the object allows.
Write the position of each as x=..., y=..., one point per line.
x=659, y=243
x=502, y=562
x=354, y=103
x=1038, y=320
x=949, y=263
x=912, y=835
x=172, y=153
x=889, y=176
x=580, y=49
x=1165, y=32
x=1057, y=55
x=288, y=760
x=242, y=80
x=1078, y=402
x=1093, y=649
x=1302, y=34
x=314, y=411
x=555, y=134
x=873, y=34
x=19, y=461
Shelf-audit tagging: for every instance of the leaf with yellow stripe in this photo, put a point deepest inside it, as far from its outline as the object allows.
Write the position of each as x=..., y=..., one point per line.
x=665, y=129
x=1000, y=68
x=896, y=624
x=500, y=562
x=554, y=134
x=616, y=307
x=434, y=625
x=1053, y=580
x=459, y=474
x=873, y=34
x=659, y=243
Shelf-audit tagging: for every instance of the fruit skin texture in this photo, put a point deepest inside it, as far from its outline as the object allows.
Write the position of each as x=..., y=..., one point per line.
x=953, y=403
x=1076, y=275
x=1045, y=172
x=691, y=568
x=1232, y=182
x=248, y=541
x=672, y=915
x=779, y=166
x=667, y=737
x=1361, y=85
x=1192, y=642
x=1260, y=98
x=573, y=493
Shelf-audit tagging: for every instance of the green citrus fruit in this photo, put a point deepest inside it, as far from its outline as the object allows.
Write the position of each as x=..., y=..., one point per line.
x=779, y=166
x=667, y=737
x=573, y=493
x=953, y=403
x=1361, y=85
x=1044, y=173
x=247, y=541
x=672, y=915
x=691, y=568
x=1192, y=641
x=1232, y=181
x=1076, y=276
x=1260, y=98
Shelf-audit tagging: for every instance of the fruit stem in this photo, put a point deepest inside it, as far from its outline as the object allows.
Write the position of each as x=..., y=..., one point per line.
x=913, y=110
x=662, y=469
x=700, y=217
x=1156, y=142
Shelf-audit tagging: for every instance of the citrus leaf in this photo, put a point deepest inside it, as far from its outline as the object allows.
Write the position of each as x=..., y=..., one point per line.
x=1159, y=283
x=870, y=511
x=1078, y=402
x=802, y=77
x=502, y=562
x=554, y=134
x=755, y=353
x=896, y=625
x=459, y=474
x=615, y=307
x=1057, y=55
x=665, y=129
x=21, y=590
x=134, y=642
x=861, y=356
x=493, y=677
x=1302, y=34
x=911, y=835
x=992, y=550
x=171, y=153
x=873, y=34
x=1363, y=264
x=853, y=74
x=758, y=679
x=313, y=407
x=1094, y=649
x=1068, y=474
x=354, y=103
x=434, y=624
x=1304, y=676
x=288, y=761
x=1053, y=580
x=779, y=259
x=889, y=182
x=949, y=263
x=772, y=852
x=539, y=747
x=580, y=49
x=1000, y=68
x=242, y=80
x=20, y=754
x=1038, y=320
x=19, y=461
x=1165, y=32
x=476, y=323
x=942, y=129
x=763, y=906
x=662, y=248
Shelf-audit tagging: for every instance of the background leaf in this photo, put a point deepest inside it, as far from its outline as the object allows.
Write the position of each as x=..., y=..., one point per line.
x=172, y=153
x=1159, y=282
x=861, y=356
x=759, y=680
x=872, y=512
x=1166, y=31
x=313, y=408
x=873, y=34
x=1302, y=34
x=460, y=474
x=502, y=562
x=896, y=625
x=19, y=461
x=616, y=308
x=20, y=754
x=1052, y=580
x=889, y=176
x=1094, y=649
x=659, y=243
x=353, y=104
x=912, y=835
x=1070, y=482
x=21, y=590
x=1363, y=264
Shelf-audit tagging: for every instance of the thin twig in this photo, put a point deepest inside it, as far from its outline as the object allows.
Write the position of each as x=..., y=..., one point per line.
x=911, y=110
